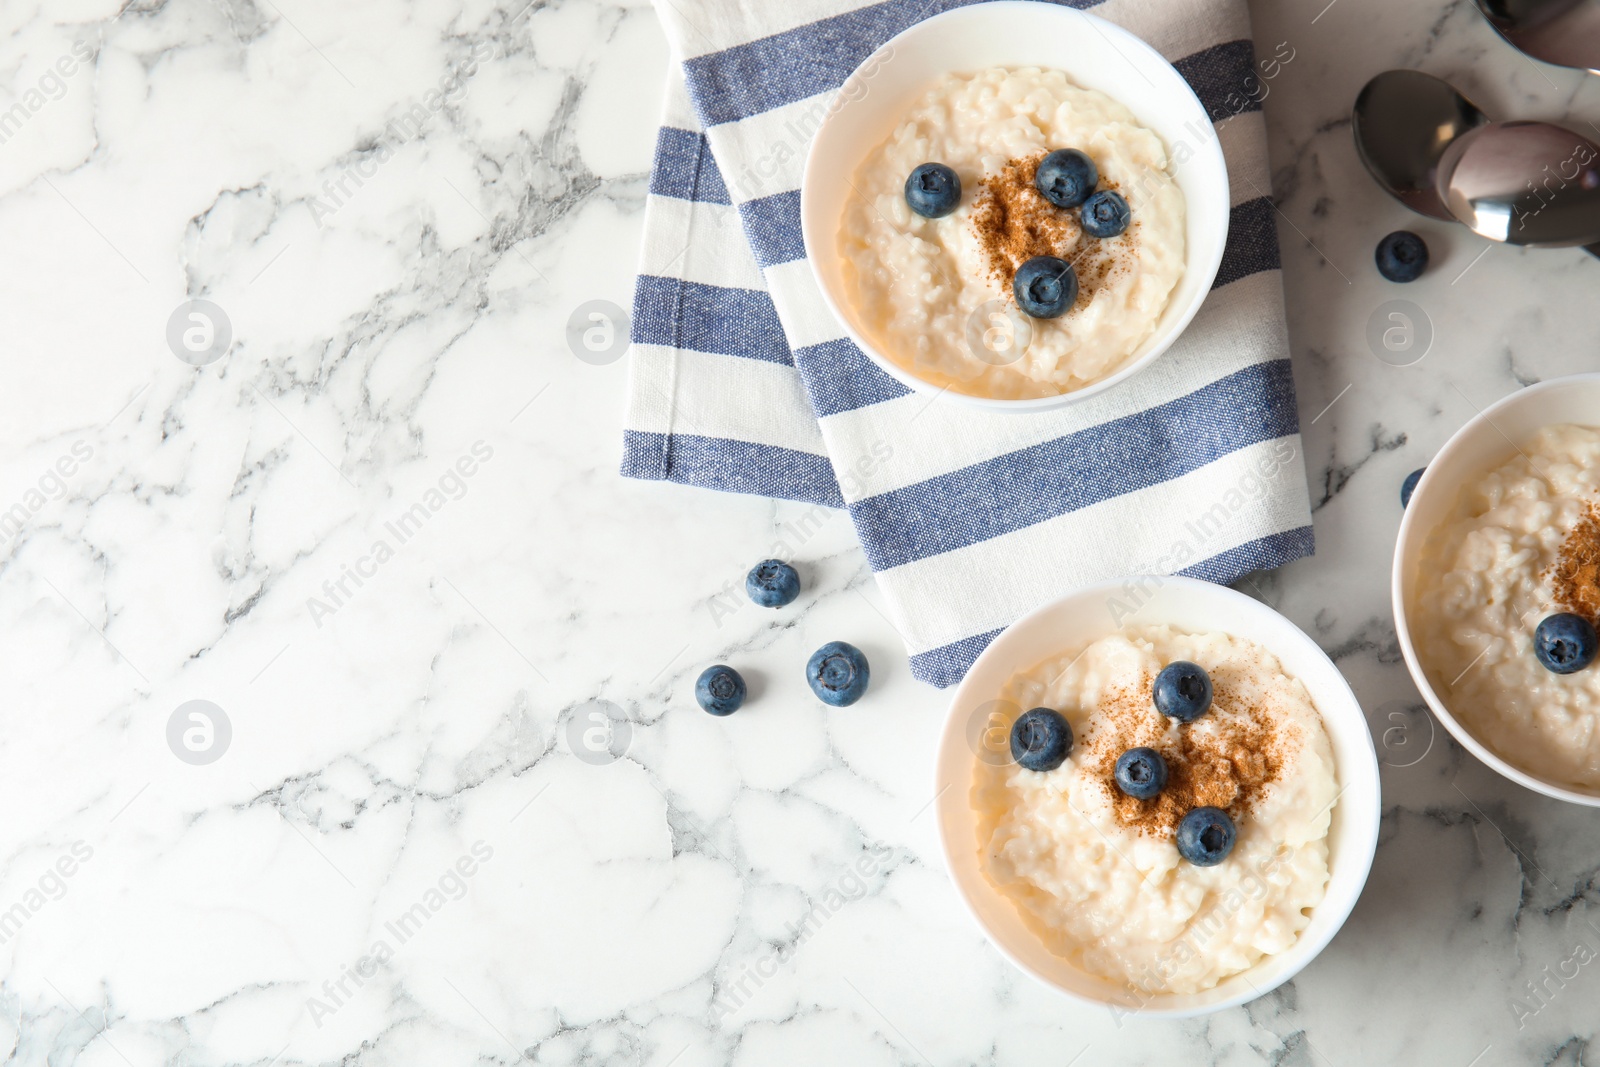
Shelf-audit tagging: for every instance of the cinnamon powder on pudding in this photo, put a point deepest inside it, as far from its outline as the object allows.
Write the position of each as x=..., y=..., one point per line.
x=1228, y=764
x=1014, y=224
x=1576, y=574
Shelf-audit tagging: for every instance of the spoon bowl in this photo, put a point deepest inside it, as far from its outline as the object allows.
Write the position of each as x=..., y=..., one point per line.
x=1523, y=183
x=1563, y=32
x=1403, y=121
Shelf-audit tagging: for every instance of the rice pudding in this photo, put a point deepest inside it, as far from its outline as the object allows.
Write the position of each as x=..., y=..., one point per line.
x=935, y=294
x=1098, y=875
x=1521, y=543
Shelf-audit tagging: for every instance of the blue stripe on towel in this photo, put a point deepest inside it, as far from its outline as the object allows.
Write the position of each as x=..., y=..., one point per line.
x=1039, y=483
x=685, y=169
x=839, y=377
x=947, y=665
x=753, y=78
x=1252, y=244
x=730, y=466
x=1221, y=77
x=708, y=318
x=772, y=223
x=1261, y=554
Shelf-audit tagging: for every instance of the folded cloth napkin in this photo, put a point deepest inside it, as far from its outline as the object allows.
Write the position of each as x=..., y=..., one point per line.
x=742, y=380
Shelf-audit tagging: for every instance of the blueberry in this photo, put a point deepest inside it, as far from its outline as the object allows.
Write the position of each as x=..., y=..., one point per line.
x=719, y=690
x=1105, y=214
x=1141, y=773
x=1402, y=256
x=1041, y=739
x=772, y=583
x=1565, y=643
x=1205, y=836
x=1066, y=177
x=1045, y=287
x=1182, y=691
x=933, y=190
x=1409, y=486
x=838, y=673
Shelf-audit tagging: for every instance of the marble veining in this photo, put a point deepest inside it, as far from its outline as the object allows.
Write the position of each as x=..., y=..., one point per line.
x=383, y=536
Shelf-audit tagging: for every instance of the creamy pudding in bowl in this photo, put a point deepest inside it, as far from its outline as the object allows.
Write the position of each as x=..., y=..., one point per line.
x=938, y=294
x=1491, y=587
x=925, y=285
x=1096, y=861
x=1191, y=808
x=1510, y=568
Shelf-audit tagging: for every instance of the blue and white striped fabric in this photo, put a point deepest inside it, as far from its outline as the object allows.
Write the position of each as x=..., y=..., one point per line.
x=741, y=380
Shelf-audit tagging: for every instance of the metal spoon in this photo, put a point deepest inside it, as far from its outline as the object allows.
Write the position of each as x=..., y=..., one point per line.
x=1403, y=122
x=1563, y=32
x=1523, y=183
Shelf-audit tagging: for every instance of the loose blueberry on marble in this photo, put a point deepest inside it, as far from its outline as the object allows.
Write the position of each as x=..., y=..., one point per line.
x=838, y=673
x=772, y=583
x=1041, y=739
x=1141, y=773
x=1066, y=177
x=1409, y=486
x=1045, y=286
x=1402, y=256
x=1182, y=691
x=1205, y=836
x=1105, y=214
x=933, y=190
x=1565, y=643
x=719, y=690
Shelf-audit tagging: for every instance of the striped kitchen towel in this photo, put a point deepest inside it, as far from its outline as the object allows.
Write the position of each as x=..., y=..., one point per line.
x=741, y=380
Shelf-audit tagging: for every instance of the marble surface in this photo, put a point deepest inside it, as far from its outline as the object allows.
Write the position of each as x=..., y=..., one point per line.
x=382, y=537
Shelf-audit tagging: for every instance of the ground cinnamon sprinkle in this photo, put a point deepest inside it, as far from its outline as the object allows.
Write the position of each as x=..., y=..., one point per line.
x=1576, y=574
x=1014, y=224
x=1228, y=764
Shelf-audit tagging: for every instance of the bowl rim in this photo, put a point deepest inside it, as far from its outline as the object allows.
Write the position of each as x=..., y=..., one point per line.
x=1135, y=49
x=1354, y=868
x=1430, y=484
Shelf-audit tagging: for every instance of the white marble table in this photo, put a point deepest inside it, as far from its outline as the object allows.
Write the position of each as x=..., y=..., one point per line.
x=396, y=858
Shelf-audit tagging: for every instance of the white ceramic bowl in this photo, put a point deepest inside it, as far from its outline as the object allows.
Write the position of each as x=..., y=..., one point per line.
x=1194, y=606
x=1095, y=54
x=1486, y=442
